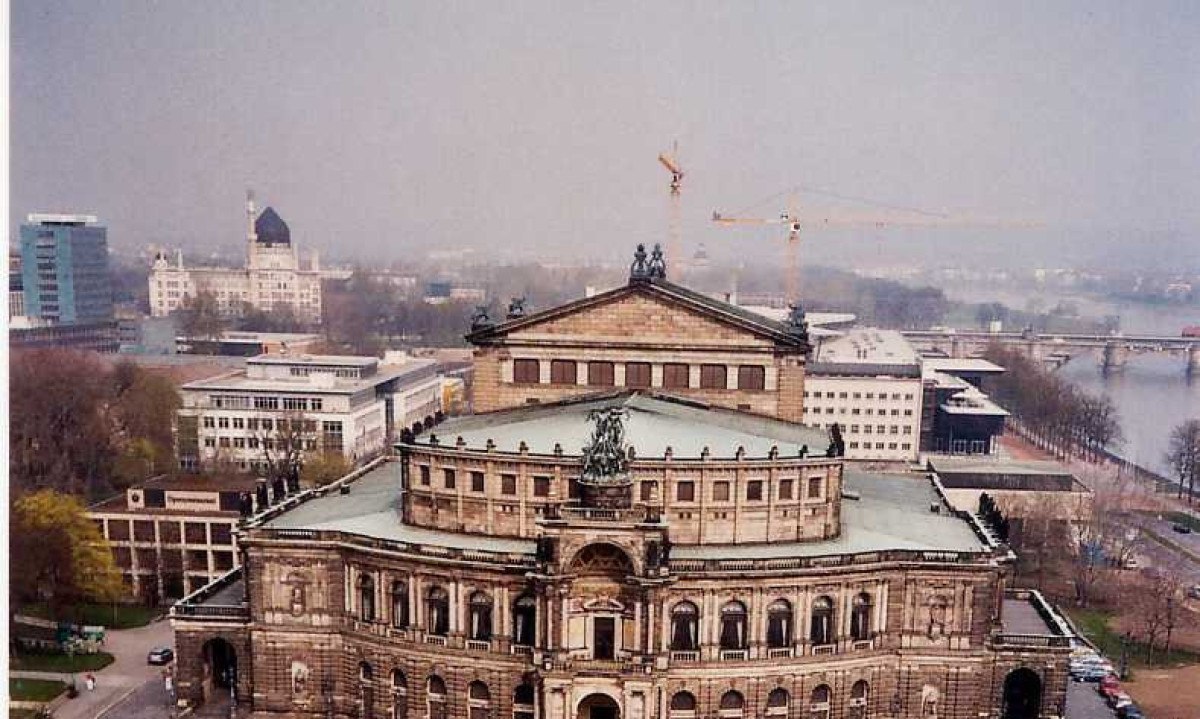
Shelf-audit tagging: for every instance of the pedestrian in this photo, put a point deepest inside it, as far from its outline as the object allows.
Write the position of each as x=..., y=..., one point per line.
x=90, y=679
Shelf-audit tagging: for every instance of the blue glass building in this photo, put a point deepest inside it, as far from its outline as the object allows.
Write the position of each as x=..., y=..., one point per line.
x=64, y=269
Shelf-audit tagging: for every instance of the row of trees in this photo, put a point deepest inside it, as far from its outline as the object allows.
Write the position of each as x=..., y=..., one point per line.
x=1183, y=455
x=85, y=427
x=1053, y=413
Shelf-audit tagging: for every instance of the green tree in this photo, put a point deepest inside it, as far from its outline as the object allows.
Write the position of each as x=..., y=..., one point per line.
x=321, y=469
x=59, y=554
x=144, y=408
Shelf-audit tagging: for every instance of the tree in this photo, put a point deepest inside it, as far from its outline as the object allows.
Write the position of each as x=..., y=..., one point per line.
x=63, y=439
x=202, y=317
x=59, y=553
x=1183, y=454
x=144, y=408
x=321, y=469
x=282, y=442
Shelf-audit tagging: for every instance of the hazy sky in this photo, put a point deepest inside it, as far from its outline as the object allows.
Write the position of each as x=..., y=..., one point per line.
x=380, y=129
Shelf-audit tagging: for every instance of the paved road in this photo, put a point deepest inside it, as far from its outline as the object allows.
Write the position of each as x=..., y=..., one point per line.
x=128, y=672
x=1084, y=702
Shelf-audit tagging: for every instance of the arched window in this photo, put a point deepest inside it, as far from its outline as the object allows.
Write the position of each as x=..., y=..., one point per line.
x=366, y=691
x=399, y=604
x=821, y=629
x=685, y=627
x=366, y=598
x=437, y=607
x=733, y=626
x=683, y=705
x=860, y=618
x=858, y=699
x=399, y=695
x=732, y=704
x=479, y=700
x=435, y=697
x=819, y=706
x=480, y=615
x=524, y=702
x=779, y=624
x=525, y=621
x=777, y=702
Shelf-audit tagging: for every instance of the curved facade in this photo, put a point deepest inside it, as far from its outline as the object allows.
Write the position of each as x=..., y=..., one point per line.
x=730, y=565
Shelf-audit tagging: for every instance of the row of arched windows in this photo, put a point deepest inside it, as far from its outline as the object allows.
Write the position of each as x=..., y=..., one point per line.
x=685, y=623
x=479, y=697
x=733, y=704
x=437, y=611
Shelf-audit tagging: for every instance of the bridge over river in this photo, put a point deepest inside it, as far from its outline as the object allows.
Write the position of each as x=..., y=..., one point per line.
x=1112, y=351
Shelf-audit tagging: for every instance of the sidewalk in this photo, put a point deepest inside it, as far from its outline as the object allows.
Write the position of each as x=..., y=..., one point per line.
x=114, y=682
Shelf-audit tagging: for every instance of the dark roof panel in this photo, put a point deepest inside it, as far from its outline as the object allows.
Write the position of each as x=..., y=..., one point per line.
x=271, y=229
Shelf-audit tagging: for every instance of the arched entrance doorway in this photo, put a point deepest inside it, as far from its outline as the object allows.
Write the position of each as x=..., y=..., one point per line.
x=220, y=667
x=598, y=706
x=1022, y=694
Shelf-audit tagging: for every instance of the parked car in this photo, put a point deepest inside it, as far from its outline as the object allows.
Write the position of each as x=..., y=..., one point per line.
x=1181, y=528
x=1119, y=700
x=1194, y=591
x=160, y=655
x=1090, y=673
x=1108, y=686
x=1130, y=711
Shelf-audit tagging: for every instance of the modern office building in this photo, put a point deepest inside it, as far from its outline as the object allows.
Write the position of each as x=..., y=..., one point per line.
x=618, y=537
x=350, y=405
x=868, y=381
x=64, y=270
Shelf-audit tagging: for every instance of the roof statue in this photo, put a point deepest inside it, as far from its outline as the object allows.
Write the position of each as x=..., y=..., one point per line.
x=657, y=266
x=797, y=321
x=270, y=228
x=837, y=446
x=516, y=308
x=640, y=269
x=605, y=458
x=480, y=319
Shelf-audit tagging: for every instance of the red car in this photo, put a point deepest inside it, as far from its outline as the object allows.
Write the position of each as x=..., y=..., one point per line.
x=1108, y=686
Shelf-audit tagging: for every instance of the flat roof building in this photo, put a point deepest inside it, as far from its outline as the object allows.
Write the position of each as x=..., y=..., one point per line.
x=64, y=269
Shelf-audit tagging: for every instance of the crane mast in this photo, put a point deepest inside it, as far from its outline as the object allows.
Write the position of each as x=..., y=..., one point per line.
x=670, y=161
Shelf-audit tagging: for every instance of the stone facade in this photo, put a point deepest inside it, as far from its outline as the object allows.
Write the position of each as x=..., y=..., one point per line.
x=479, y=575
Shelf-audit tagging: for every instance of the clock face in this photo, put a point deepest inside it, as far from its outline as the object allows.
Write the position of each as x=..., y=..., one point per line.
x=136, y=497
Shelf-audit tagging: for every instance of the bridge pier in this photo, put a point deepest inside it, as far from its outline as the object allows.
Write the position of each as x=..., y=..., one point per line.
x=1193, y=361
x=1116, y=354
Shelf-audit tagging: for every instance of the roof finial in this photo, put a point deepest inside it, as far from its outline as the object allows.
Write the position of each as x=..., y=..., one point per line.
x=657, y=266
x=251, y=235
x=516, y=308
x=640, y=269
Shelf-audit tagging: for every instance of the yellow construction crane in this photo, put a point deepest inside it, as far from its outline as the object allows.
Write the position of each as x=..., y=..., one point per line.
x=791, y=220
x=670, y=161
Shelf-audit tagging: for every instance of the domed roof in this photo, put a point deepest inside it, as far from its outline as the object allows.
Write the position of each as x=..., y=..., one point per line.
x=271, y=229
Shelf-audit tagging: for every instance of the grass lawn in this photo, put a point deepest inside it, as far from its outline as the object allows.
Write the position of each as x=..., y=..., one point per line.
x=24, y=714
x=1095, y=626
x=125, y=616
x=61, y=662
x=34, y=690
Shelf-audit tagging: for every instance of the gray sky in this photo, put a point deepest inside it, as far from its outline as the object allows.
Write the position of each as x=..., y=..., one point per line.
x=381, y=129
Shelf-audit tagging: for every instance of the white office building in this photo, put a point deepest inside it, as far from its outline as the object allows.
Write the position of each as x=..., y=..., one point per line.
x=868, y=381
x=355, y=406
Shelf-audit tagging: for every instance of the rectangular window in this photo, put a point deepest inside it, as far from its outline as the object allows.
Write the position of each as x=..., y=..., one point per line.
x=527, y=371
x=752, y=377
x=785, y=489
x=223, y=441
x=908, y=430
x=448, y=476
x=648, y=490
x=908, y=396
x=424, y=471
x=195, y=533
x=508, y=484
x=168, y=532
x=637, y=374
x=316, y=403
x=223, y=422
x=685, y=491
x=713, y=376
x=563, y=372
x=143, y=531
x=541, y=486
x=854, y=445
x=118, y=529
x=209, y=422
x=676, y=376
x=814, y=488
x=720, y=492
x=601, y=374
x=476, y=481
x=239, y=442
x=239, y=423
x=754, y=490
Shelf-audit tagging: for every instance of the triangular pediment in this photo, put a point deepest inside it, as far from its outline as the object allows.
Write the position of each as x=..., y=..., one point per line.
x=647, y=311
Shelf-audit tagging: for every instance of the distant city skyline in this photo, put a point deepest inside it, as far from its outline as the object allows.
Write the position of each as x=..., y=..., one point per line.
x=395, y=128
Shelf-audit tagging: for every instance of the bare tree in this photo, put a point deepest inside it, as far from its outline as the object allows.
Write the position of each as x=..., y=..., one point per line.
x=283, y=441
x=1183, y=454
